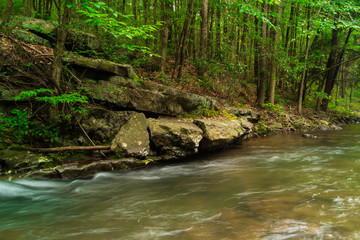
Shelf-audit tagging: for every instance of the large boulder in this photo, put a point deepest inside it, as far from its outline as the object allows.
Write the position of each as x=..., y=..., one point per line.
x=133, y=138
x=100, y=68
x=102, y=125
x=147, y=97
x=219, y=134
x=76, y=39
x=30, y=37
x=174, y=138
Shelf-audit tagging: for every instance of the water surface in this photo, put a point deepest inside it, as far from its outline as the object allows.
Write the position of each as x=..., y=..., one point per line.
x=279, y=187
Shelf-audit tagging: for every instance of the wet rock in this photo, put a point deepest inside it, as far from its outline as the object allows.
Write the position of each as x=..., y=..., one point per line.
x=174, y=138
x=43, y=173
x=75, y=171
x=127, y=163
x=21, y=160
x=219, y=134
x=324, y=128
x=133, y=138
x=306, y=135
x=335, y=127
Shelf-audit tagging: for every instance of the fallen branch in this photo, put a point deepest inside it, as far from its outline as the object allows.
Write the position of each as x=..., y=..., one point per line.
x=61, y=149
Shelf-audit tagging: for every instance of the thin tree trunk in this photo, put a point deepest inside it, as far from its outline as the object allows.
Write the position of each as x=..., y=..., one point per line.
x=180, y=56
x=134, y=11
x=263, y=62
x=164, y=32
x=274, y=66
x=60, y=44
x=303, y=75
x=203, y=36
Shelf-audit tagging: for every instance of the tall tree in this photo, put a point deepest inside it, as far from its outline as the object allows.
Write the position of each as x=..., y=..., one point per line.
x=61, y=33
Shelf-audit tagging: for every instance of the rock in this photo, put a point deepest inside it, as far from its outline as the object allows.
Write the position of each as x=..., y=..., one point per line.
x=306, y=135
x=277, y=125
x=219, y=134
x=43, y=173
x=21, y=160
x=126, y=163
x=30, y=37
x=248, y=126
x=324, y=128
x=72, y=172
x=76, y=40
x=147, y=97
x=102, y=125
x=133, y=138
x=84, y=66
x=38, y=26
x=174, y=138
x=335, y=127
x=248, y=114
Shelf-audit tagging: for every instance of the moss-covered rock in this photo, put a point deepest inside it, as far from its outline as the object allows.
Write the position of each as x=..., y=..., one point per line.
x=30, y=37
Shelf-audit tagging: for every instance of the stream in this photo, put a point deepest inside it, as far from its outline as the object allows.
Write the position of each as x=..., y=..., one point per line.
x=279, y=187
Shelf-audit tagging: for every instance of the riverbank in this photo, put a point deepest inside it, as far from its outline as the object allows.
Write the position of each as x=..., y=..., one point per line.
x=107, y=118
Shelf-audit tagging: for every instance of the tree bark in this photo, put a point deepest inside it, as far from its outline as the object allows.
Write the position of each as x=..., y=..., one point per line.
x=203, y=36
x=60, y=44
x=7, y=13
x=334, y=59
x=274, y=66
x=164, y=33
x=263, y=63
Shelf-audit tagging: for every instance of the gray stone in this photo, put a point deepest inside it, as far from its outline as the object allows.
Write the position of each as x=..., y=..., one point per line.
x=75, y=171
x=219, y=134
x=102, y=125
x=30, y=37
x=20, y=159
x=248, y=126
x=101, y=65
x=148, y=97
x=173, y=138
x=127, y=163
x=34, y=24
x=249, y=114
x=133, y=138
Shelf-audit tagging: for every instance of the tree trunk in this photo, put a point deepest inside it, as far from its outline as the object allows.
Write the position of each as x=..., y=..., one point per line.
x=7, y=13
x=134, y=11
x=180, y=56
x=263, y=63
x=28, y=7
x=164, y=32
x=274, y=66
x=218, y=26
x=60, y=44
x=203, y=36
x=334, y=60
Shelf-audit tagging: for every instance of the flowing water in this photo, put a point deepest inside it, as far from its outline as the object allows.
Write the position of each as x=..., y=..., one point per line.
x=279, y=187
